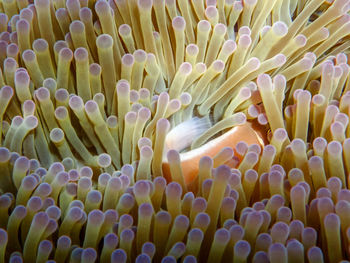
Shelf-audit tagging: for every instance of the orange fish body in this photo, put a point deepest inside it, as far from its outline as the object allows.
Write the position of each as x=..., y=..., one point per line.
x=190, y=160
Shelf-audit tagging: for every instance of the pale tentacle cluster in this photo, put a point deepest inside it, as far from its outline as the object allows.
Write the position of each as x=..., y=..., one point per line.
x=89, y=91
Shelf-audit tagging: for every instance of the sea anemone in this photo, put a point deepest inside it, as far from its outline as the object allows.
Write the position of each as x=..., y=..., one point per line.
x=174, y=131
